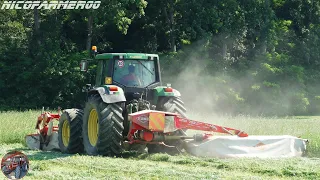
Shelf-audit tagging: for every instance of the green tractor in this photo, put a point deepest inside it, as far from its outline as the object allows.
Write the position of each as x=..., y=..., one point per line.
x=125, y=83
x=128, y=108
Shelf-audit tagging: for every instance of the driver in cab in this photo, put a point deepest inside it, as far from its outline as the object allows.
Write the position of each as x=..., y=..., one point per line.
x=131, y=79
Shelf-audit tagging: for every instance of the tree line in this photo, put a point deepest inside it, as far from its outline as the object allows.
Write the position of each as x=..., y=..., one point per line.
x=259, y=56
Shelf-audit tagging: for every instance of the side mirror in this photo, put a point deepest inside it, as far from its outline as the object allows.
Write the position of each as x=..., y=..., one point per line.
x=84, y=66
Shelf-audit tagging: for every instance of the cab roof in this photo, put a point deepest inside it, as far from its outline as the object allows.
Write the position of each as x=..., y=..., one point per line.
x=126, y=56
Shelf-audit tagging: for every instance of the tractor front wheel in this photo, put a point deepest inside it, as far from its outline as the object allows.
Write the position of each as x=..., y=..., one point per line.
x=102, y=127
x=70, y=131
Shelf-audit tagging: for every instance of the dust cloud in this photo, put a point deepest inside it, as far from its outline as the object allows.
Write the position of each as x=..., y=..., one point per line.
x=218, y=94
x=197, y=90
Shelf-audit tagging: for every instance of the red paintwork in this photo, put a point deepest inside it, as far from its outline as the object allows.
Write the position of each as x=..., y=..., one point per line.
x=179, y=123
x=168, y=89
x=184, y=123
x=147, y=136
x=134, y=128
x=42, y=125
x=45, y=119
x=137, y=123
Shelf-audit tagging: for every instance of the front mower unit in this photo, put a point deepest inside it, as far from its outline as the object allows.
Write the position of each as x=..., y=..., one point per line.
x=46, y=136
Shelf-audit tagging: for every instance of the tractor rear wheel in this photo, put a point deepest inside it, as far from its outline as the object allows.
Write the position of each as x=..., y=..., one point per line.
x=173, y=105
x=70, y=131
x=102, y=127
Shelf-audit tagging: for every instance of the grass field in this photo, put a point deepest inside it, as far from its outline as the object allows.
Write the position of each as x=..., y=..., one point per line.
x=54, y=165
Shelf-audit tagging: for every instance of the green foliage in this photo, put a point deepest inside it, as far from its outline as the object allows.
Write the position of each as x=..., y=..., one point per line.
x=257, y=57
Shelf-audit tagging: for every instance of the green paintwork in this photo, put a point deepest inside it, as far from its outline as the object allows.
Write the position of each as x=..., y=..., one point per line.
x=159, y=92
x=125, y=55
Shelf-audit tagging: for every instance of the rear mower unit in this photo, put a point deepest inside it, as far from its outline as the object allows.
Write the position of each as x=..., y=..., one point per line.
x=146, y=127
x=128, y=108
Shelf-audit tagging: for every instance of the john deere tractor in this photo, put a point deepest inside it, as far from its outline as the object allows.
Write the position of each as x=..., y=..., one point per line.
x=128, y=108
x=125, y=83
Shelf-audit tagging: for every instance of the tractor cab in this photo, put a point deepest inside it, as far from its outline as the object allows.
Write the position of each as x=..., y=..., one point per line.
x=127, y=73
x=136, y=73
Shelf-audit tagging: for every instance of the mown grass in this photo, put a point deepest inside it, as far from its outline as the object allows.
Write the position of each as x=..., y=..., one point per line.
x=54, y=165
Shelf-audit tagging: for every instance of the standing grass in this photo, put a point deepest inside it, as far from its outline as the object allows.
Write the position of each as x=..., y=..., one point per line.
x=55, y=165
x=14, y=126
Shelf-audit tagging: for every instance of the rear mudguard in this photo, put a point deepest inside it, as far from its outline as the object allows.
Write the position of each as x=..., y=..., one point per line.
x=109, y=96
x=160, y=92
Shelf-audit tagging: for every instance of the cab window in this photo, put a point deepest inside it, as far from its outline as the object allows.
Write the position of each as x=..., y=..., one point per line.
x=134, y=73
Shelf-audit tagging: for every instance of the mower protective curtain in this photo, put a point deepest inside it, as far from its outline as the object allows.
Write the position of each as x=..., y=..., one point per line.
x=251, y=146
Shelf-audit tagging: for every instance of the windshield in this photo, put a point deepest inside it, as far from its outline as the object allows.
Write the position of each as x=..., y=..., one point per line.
x=134, y=73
